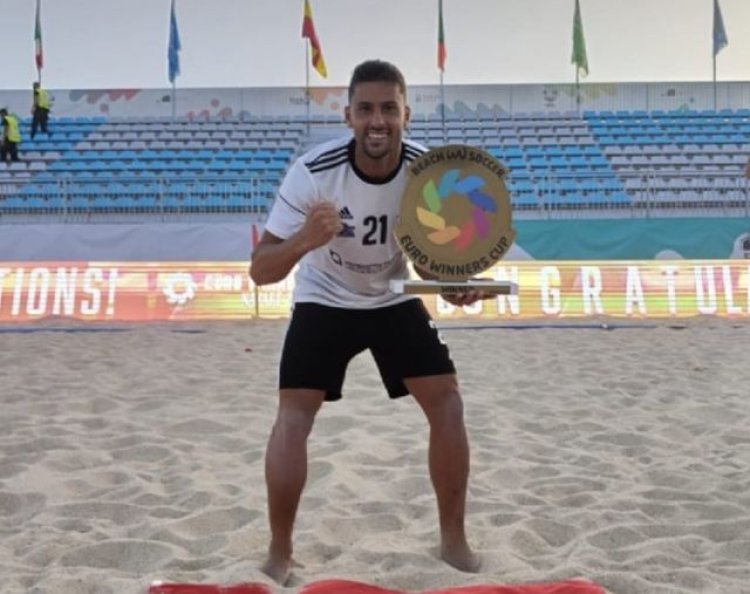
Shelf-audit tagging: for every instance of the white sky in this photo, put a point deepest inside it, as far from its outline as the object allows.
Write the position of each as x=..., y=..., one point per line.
x=245, y=43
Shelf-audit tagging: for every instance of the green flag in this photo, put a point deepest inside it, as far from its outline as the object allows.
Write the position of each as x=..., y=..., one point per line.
x=579, y=45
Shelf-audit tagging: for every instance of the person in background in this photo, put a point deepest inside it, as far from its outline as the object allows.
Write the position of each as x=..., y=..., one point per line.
x=11, y=136
x=39, y=110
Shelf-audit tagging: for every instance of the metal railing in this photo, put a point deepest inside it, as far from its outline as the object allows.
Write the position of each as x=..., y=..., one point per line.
x=642, y=194
x=74, y=200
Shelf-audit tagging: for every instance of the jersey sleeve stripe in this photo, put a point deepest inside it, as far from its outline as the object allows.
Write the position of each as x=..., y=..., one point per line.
x=290, y=205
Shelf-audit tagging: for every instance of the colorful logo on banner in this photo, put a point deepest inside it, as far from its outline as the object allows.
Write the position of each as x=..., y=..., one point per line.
x=179, y=288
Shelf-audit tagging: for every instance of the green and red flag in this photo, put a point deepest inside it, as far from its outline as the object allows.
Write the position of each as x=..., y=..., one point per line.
x=442, y=54
x=38, y=50
x=308, y=31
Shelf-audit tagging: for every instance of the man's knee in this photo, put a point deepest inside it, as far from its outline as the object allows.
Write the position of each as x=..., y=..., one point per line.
x=297, y=412
x=439, y=397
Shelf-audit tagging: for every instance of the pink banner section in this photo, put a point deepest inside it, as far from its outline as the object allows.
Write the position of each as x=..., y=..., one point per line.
x=186, y=291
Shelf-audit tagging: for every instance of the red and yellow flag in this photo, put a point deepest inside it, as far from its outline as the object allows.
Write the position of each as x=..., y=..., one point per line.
x=308, y=30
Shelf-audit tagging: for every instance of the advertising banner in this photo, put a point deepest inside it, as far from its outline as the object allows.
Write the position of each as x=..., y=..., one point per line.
x=193, y=291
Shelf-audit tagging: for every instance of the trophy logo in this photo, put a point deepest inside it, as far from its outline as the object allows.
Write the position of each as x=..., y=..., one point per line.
x=455, y=219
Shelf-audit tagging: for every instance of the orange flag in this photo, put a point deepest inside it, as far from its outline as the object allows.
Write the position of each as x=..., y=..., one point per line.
x=308, y=30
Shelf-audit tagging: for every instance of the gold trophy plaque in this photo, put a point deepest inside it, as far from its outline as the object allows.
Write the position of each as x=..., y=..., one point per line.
x=455, y=221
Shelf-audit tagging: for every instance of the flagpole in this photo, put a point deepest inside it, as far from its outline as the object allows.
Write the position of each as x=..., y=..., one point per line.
x=174, y=101
x=307, y=85
x=714, y=61
x=442, y=108
x=441, y=67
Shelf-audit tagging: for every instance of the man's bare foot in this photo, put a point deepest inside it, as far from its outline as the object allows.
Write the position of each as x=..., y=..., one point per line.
x=461, y=557
x=278, y=569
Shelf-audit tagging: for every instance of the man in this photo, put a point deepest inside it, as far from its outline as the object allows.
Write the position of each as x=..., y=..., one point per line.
x=11, y=136
x=39, y=110
x=334, y=215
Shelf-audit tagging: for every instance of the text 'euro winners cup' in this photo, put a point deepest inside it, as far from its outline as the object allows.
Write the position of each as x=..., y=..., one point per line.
x=455, y=221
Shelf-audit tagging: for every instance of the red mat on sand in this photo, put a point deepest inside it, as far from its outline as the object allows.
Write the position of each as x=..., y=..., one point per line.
x=348, y=587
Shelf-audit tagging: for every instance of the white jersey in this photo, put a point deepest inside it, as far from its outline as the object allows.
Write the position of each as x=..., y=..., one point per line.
x=354, y=269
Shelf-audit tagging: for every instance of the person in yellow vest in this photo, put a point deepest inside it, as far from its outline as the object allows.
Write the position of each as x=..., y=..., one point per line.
x=11, y=136
x=39, y=110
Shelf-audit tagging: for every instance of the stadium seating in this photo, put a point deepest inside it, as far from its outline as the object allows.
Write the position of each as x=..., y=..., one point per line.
x=94, y=166
x=613, y=159
x=556, y=161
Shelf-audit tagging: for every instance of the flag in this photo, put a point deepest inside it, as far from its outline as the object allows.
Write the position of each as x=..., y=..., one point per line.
x=38, y=51
x=720, y=35
x=579, y=44
x=173, y=53
x=308, y=31
x=441, y=53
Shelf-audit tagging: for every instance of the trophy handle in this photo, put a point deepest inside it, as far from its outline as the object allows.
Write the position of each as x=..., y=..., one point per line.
x=435, y=287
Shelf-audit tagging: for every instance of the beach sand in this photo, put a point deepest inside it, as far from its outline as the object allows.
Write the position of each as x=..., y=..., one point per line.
x=620, y=456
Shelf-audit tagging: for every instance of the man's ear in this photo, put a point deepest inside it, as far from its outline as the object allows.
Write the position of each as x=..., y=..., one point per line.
x=407, y=116
x=348, y=115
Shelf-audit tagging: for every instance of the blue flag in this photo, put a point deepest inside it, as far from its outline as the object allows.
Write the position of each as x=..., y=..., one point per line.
x=173, y=54
x=720, y=35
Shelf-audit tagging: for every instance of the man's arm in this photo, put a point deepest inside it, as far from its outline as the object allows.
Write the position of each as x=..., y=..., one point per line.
x=273, y=258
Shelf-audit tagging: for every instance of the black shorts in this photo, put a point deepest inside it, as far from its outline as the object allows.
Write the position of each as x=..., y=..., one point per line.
x=321, y=340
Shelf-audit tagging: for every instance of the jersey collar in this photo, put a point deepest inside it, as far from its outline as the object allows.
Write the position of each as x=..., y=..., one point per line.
x=373, y=180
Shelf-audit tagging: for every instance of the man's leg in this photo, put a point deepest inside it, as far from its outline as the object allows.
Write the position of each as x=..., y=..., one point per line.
x=14, y=151
x=441, y=402
x=3, y=152
x=45, y=120
x=286, y=472
x=34, y=123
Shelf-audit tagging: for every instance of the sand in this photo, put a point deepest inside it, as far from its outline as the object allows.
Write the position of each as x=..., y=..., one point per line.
x=621, y=456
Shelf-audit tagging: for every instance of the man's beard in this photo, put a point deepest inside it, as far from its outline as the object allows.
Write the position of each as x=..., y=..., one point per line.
x=382, y=151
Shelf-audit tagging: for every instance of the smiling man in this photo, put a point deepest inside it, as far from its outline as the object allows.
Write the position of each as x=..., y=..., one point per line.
x=334, y=216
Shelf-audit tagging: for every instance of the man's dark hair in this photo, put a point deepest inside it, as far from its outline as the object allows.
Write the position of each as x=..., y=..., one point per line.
x=376, y=71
